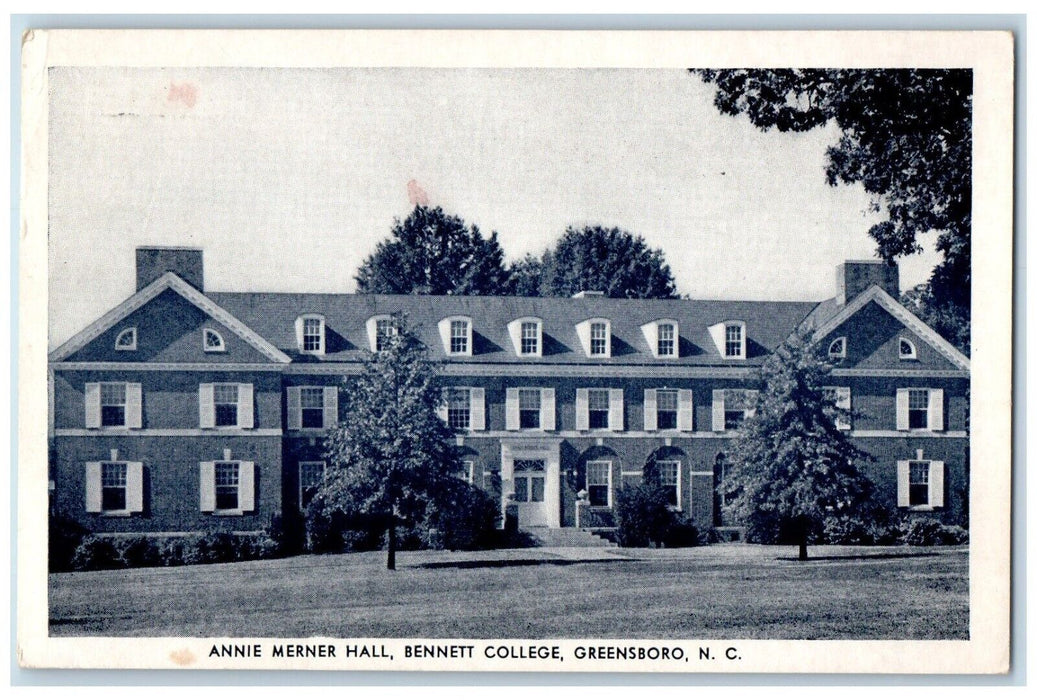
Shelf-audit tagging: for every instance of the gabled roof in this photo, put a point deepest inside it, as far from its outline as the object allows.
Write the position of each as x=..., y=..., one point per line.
x=167, y=281
x=898, y=311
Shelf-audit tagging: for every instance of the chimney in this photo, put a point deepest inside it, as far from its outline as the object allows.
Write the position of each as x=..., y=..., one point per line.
x=855, y=276
x=155, y=261
x=588, y=293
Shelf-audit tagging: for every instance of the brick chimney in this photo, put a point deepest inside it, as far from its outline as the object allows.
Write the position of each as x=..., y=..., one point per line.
x=155, y=261
x=855, y=276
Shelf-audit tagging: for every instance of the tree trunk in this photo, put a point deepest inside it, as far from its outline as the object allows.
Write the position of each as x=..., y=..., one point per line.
x=390, y=563
x=803, y=549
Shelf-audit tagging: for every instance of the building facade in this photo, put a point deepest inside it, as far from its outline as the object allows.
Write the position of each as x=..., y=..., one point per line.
x=185, y=410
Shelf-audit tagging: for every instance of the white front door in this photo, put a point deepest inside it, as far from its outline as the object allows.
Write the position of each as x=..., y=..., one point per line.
x=530, y=480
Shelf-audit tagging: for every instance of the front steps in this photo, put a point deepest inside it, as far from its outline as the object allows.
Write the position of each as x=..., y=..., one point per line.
x=566, y=537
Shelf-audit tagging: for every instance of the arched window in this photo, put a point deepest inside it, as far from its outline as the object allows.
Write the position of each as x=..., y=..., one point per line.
x=908, y=350
x=126, y=340
x=212, y=341
x=837, y=348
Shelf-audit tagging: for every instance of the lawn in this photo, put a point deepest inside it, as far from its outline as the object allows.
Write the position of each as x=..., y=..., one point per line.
x=724, y=591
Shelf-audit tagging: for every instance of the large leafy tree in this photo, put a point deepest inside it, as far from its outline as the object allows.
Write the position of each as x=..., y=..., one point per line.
x=432, y=252
x=392, y=457
x=608, y=260
x=906, y=136
x=790, y=467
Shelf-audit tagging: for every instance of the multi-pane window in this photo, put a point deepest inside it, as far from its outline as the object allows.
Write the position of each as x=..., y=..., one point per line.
x=530, y=338
x=919, y=483
x=127, y=340
x=458, y=337
x=212, y=341
x=529, y=408
x=599, y=338
x=666, y=409
x=228, y=479
x=311, y=401
x=529, y=480
x=733, y=341
x=598, y=408
x=311, y=474
x=459, y=408
x=312, y=335
x=468, y=471
x=225, y=405
x=599, y=481
x=837, y=348
x=667, y=343
x=113, y=486
x=918, y=409
x=384, y=329
x=737, y=406
x=113, y=404
x=907, y=350
x=669, y=476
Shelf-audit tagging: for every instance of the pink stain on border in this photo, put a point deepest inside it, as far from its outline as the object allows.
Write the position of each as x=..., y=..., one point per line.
x=185, y=92
x=416, y=194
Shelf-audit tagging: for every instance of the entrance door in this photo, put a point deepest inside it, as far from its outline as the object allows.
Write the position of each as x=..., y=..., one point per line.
x=529, y=479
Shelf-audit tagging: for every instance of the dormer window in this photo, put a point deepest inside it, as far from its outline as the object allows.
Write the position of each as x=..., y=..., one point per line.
x=456, y=334
x=527, y=337
x=309, y=334
x=126, y=340
x=730, y=339
x=380, y=329
x=212, y=341
x=837, y=348
x=907, y=350
x=595, y=336
x=663, y=338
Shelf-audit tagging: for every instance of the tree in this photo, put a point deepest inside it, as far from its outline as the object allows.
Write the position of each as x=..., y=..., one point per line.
x=392, y=457
x=906, y=137
x=948, y=320
x=526, y=276
x=431, y=252
x=612, y=261
x=790, y=467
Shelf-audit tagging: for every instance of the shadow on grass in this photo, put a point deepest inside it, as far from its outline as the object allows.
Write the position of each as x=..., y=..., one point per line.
x=506, y=563
x=855, y=557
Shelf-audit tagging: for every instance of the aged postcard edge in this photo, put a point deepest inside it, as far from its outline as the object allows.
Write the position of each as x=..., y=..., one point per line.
x=989, y=54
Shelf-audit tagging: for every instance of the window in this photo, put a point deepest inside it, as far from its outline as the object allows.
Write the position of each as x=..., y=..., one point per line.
x=459, y=408
x=907, y=350
x=113, y=486
x=311, y=474
x=458, y=337
x=598, y=408
x=529, y=408
x=837, y=348
x=468, y=471
x=670, y=476
x=599, y=339
x=920, y=483
x=113, y=405
x=530, y=338
x=311, y=405
x=918, y=491
x=839, y=397
x=599, y=483
x=631, y=479
x=126, y=340
x=918, y=409
x=228, y=480
x=225, y=404
x=666, y=409
x=529, y=480
x=385, y=329
x=733, y=341
x=667, y=340
x=309, y=332
x=731, y=407
x=212, y=341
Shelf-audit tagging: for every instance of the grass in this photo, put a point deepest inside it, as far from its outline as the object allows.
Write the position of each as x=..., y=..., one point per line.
x=725, y=591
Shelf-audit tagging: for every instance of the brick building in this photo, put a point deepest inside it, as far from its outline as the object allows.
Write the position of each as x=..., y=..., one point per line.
x=184, y=409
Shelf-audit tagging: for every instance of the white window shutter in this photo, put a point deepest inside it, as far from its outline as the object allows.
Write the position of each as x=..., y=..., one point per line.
x=583, y=409
x=206, y=407
x=135, y=487
x=583, y=332
x=903, y=421
x=903, y=483
x=718, y=410
x=685, y=410
x=207, y=486
x=134, y=402
x=299, y=325
x=936, y=484
x=93, y=405
x=93, y=487
x=547, y=409
x=515, y=333
x=615, y=409
x=246, y=486
x=936, y=409
x=751, y=397
x=651, y=418
x=478, y=408
x=441, y=408
x=842, y=401
x=246, y=406
x=511, y=405
x=294, y=407
x=330, y=407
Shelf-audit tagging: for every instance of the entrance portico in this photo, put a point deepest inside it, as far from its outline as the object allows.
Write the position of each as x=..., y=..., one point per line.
x=530, y=473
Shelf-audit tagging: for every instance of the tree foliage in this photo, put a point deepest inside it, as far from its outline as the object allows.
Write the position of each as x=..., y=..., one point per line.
x=790, y=467
x=949, y=320
x=432, y=252
x=906, y=136
x=391, y=457
x=608, y=260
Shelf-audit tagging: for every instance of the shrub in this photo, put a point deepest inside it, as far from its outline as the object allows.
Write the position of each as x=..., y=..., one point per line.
x=644, y=518
x=928, y=532
x=97, y=553
x=681, y=533
x=336, y=532
x=139, y=551
x=464, y=517
x=288, y=534
x=64, y=536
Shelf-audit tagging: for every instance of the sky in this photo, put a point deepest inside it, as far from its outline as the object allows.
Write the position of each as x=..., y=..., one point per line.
x=287, y=178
